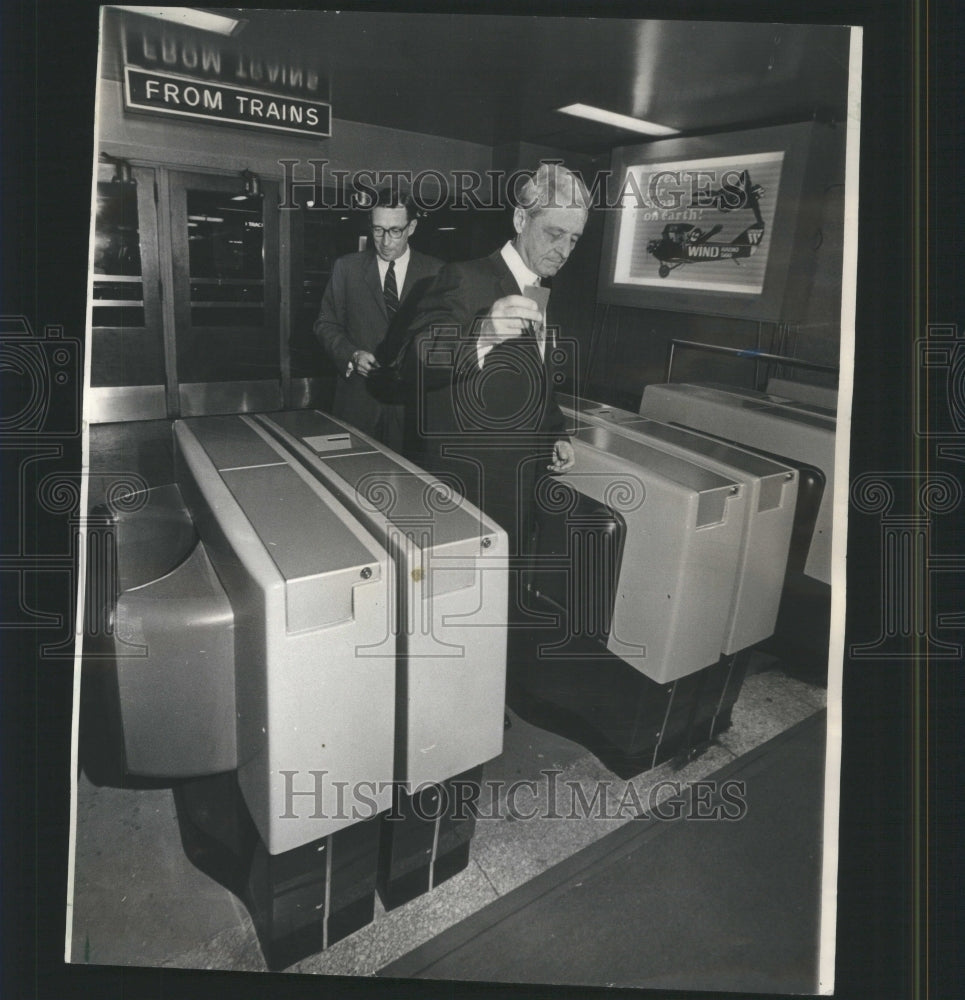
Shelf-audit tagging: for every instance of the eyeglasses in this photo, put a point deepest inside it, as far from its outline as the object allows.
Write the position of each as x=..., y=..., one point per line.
x=394, y=231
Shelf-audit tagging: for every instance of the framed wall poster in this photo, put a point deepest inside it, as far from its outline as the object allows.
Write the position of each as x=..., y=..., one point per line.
x=715, y=224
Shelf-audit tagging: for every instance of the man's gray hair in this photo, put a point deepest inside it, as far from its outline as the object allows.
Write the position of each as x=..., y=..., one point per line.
x=553, y=186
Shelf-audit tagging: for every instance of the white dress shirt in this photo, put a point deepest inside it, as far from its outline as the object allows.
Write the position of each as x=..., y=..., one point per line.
x=401, y=266
x=524, y=277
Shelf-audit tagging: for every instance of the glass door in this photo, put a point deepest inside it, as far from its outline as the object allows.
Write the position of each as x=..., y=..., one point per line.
x=225, y=259
x=127, y=339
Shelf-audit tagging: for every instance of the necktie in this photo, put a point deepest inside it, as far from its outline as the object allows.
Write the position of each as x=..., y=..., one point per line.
x=539, y=332
x=390, y=292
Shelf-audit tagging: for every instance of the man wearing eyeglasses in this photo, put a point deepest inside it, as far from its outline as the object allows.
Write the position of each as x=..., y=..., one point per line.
x=365, y=292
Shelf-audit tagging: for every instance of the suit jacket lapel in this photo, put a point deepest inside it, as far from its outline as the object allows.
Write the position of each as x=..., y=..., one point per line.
x=371, y=277
x=504, y=277
x=412, y=273
x=507, y=285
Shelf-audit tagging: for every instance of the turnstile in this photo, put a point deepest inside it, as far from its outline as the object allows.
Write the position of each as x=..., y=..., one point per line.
x=798, y=433
x=633, y=575
x=304, y=659
x=770, y=489
x=792, y=431
x=451, y=603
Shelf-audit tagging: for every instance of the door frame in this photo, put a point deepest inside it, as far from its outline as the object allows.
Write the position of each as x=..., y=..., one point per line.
x=229, y=396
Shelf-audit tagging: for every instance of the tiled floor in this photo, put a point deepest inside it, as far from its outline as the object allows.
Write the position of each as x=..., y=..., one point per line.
x=139, y=901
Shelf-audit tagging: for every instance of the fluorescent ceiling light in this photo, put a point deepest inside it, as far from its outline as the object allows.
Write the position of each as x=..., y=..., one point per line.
x=620, y=121
x=189, y=16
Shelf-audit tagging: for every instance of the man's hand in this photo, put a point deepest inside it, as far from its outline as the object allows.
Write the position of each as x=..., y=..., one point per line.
x=364, y=363
x=509, y=317
x=564, y=457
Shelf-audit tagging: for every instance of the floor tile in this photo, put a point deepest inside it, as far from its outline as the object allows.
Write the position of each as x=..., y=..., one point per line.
x=769, y=703
x=394, y=933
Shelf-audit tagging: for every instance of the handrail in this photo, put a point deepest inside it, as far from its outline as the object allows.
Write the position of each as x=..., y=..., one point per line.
x=751, y=354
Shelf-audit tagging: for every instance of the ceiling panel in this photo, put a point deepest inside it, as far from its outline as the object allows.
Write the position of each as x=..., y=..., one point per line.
x=495, y=80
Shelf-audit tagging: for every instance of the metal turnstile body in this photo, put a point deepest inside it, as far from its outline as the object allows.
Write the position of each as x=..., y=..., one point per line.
x=311, y=633
x=309, y=588
x=171, y=642
x=680, y=554
x=770, y=491
x=791, y=430
x=240, y=596
x=451, y=607
x=450, y=595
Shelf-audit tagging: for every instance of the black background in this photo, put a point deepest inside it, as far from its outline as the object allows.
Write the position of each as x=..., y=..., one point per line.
x=901, y=880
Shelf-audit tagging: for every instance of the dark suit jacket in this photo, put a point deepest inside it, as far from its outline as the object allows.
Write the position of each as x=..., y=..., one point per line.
x=493, y=427
x=353, y=318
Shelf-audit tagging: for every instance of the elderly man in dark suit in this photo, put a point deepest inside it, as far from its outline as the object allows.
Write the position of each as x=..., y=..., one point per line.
x=486, y=361
x=365, y=291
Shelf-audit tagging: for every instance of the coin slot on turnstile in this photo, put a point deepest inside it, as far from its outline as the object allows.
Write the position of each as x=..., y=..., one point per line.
x=324, y=443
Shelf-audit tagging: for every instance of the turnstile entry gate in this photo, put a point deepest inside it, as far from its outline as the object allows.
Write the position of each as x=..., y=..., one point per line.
x=309, y=637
